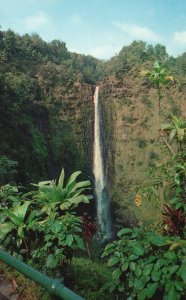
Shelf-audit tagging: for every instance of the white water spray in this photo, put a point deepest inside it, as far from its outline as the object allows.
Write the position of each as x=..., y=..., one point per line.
x=103, y=205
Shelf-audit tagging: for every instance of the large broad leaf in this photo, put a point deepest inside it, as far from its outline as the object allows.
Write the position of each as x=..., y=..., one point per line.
x=79, y=199
x=6, y=228
x=114, y=260
x=69, y=239
x=176, y=121
x=42, y=183
x=77, y=193
x=155, y=275
x=56, y=227
x=172, y=134
x=79, y=242
x=65, y=205
x=20, y=231
x=16, y=220
x=69, y=188
x=74, y=201
x=89, y=197
x=137, y=249
x=32, y=216
x=151, y=290
x=116, y=274
x=147, y=269
x=52, y=261
x=124, y=231
x=180, y=134
x=157, y=240
x=49, y=207
x=21, y=210
x=72, y=178
x=24, y=196
x=81, y=185
x=108, y=250
x=177, y=178
x=61, y=179
x=166, y=126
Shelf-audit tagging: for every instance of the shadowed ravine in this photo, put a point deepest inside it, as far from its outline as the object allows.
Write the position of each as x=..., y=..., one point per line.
x=103, y=203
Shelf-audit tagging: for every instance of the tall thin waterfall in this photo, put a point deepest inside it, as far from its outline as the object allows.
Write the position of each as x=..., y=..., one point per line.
x=103, y=206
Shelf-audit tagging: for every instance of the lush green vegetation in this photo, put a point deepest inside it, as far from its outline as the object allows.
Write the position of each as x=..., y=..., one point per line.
x=46, y=223
x=42, y=221
x=35, y=78
x=146, y=265
x=148, y=262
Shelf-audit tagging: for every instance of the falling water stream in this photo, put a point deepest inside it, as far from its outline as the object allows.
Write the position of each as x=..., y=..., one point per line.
x=103, y=203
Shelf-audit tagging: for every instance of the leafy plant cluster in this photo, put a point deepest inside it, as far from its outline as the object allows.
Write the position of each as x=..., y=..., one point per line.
x=41, y=225
x=166, y=182
x=7, y=169
x=146, y=265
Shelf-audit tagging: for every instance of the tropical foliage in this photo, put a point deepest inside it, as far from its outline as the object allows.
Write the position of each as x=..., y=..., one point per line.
x=48, y=219
x=54, y=195
x=166, y=180
x=177, y=128
x=159, y=77
x=61, y=237
x=145, y=265
x=43, y=125
x=16, y=230
x=174, y=220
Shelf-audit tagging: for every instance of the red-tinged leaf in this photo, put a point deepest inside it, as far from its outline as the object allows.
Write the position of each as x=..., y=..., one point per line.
x=174, y=219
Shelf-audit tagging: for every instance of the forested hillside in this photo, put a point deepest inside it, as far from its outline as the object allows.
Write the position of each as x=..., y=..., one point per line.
x=37, y=79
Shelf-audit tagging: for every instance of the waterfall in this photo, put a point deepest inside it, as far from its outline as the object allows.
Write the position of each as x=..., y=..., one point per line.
x=103, y=202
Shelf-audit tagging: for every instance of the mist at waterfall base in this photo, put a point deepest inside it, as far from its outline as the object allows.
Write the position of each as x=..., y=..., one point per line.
x=103, y=202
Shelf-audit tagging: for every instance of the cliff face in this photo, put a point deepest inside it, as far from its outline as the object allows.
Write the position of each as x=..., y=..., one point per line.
x=71, y=129
x=131, y=137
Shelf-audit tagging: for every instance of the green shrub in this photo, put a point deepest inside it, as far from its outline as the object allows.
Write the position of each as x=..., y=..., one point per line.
x=15, y=232
x=153, y=155
x=145, y=265
x=9, y=196
x=61, y=237
x=8, y=169
x=89, y=278
x=142, y=144
x=41, y=226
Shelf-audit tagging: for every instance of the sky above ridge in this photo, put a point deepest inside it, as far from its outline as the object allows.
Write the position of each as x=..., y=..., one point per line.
x=99, y=27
